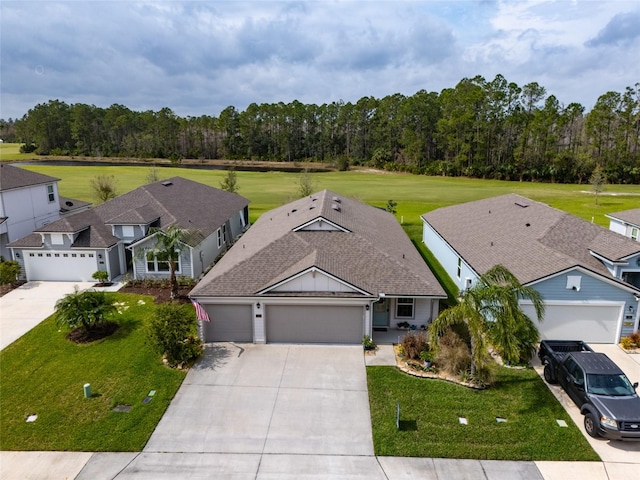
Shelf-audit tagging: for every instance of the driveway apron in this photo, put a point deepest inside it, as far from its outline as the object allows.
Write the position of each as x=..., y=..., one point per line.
x=270, y=399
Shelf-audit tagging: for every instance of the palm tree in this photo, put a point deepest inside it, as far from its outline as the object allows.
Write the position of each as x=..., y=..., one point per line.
x=85, y=310
x=168, y=247
x=491, y=311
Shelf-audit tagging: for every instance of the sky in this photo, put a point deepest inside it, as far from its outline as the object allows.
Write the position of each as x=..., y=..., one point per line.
x=199, y=57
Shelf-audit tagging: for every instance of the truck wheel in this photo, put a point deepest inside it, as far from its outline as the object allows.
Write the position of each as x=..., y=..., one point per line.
x=591, y=425
x=548, y=374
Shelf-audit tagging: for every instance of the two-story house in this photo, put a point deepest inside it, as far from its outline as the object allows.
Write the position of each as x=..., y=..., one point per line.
x=114, y=236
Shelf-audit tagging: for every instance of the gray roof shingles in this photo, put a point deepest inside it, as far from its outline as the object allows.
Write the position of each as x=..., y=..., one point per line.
x=374, y=254
x=191, y=205
x=532, y=241
x=632, y=217
x=13, y=177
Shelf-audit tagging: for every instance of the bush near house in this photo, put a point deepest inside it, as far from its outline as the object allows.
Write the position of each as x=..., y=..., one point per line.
x=9, y=271
x=173, y=333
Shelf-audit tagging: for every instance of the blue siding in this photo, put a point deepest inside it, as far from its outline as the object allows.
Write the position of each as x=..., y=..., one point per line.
x=591, y=289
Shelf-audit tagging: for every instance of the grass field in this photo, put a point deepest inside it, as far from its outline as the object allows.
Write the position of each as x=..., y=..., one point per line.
x=11, y=151
x=430, y=409
x=414, y=194
x=43, y=373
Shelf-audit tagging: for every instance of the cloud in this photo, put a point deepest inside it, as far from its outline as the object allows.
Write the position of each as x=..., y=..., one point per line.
x=198, y=57
x=622, y=29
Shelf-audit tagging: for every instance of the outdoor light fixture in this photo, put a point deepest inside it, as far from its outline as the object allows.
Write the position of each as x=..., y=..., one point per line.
x=366, y=307
x=258, y=305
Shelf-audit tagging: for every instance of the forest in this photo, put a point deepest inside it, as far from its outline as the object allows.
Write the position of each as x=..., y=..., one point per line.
x=485, y=129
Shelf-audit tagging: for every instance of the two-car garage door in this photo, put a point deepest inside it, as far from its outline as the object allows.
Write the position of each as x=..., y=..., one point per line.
x=60, y=266
x=286, y=323
x=592, y=323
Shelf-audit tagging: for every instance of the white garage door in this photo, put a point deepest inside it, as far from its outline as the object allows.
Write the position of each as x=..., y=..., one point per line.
x=314, y=324
x=591, y=323
x=60, y=266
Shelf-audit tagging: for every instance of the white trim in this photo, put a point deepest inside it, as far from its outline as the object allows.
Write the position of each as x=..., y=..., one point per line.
x=616, y=282
x=320, y=219
x=313, y=270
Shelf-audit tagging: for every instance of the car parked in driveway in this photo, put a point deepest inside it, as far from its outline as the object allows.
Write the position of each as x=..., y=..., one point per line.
x=600, y=389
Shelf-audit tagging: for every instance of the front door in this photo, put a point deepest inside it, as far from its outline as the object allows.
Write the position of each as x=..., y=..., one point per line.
x=381, y=313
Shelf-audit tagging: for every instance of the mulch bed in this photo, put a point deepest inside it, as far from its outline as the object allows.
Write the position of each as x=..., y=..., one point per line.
x=161, y=295
x=80, y=335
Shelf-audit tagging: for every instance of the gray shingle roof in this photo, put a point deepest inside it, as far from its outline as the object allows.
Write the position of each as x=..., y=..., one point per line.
x=14, y=177
x=530, y=238
x=191, y=205
x=373, y=254
x=631, y=217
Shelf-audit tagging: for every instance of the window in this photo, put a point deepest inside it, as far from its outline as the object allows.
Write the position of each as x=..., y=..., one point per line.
x=459, y=267
x=222, y=235
x=127, y=231
x=159, y=266
x=57, y=239
x=50, y=194
x=634, y=233
x=404, y=308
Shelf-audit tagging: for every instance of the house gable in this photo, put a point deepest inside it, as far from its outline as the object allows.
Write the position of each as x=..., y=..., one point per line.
x=313, y=280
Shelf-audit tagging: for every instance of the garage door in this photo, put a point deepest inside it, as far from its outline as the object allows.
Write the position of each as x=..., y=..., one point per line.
x=314, y=324
x=60, y=266
x=590, y=323
x=229, y=323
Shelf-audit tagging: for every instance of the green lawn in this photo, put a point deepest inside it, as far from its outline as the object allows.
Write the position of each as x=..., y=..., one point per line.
x=11, y=152
x=429, y=425
x=414, y=194
x=43, y=373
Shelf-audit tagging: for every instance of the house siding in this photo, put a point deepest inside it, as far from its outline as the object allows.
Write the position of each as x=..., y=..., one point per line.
x=592, y=289
x=425, y=310
x=447, y=257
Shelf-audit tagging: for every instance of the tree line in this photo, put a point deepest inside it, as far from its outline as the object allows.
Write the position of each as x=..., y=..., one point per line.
x=486, y=129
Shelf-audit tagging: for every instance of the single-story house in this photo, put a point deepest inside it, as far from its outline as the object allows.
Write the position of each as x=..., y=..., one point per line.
x=577, y=266
x=626, y=223
x=321, y=269
x=113, y=236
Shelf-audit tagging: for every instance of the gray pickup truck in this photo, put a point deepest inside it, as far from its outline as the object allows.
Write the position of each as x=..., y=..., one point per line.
x=604, y=394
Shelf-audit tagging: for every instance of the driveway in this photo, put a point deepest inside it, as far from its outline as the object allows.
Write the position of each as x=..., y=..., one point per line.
x=26, y=306
x=280, y=399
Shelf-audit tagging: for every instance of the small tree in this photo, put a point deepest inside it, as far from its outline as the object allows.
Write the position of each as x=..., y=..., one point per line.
x=173, y=333
x=100, y=276
x=391, y=206
x=305, y=184
x=104, y=187
x=492, y=314
x=168, y=248
x=230, y=182
x=153, y=175
x=597, y=181
x=85, y=310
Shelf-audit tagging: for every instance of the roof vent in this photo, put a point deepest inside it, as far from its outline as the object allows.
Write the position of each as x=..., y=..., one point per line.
x=335, y=206
x=167, y=183
x=294, y=210
x=336, y=199
x=522, y=204
x=68, y=203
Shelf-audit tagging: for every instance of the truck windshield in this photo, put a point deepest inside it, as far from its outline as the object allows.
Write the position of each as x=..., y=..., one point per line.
x=613, y=385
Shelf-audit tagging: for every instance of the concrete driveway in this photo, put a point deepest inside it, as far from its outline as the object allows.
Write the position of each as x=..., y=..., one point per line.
x=281, y=399
x=26, y=306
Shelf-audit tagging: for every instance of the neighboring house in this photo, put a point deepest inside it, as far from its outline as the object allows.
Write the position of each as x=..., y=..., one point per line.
x=113, y=236
x=322, y=269
x=577, y=266
x=28, y=200
x=626, y=223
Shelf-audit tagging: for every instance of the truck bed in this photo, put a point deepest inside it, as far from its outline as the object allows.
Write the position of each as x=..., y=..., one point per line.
x=559, y=348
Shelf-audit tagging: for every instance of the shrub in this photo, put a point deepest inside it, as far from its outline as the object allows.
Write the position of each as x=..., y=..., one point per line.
x=100, y=276
x=86, y=310
x=453, y=353
x=173, y=333
x=627, y=343
x=635, y=338
x=368, y=343
x=413, y=343
x=9, y=271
